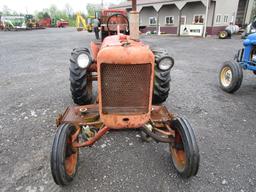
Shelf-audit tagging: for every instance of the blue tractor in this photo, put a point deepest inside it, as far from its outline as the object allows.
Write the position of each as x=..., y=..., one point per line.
x=231, y=72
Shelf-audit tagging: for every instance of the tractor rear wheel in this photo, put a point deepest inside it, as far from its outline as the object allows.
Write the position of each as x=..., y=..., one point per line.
x=230, y=76
x=64, y=158
x=162, y=79
x=80, y=88
x=184, y=151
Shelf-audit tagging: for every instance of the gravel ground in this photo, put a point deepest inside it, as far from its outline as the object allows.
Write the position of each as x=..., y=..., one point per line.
x=34, y=88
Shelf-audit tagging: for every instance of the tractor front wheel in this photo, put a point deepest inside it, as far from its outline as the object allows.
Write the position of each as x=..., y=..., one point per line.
x=184, y=151
x=230, y=76
x=80, y=88
x=64, y=158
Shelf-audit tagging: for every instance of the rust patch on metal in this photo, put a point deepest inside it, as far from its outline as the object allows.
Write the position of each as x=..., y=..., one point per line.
x=92, y=68
x=88, y=115
x=92, y=140
x=160, y=114
x=95, y=47
x=58, y=120
x=127, y=91
x=74, y=116
x=117, y=117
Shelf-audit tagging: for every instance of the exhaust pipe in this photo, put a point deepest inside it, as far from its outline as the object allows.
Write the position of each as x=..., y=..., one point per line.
x=134, y=22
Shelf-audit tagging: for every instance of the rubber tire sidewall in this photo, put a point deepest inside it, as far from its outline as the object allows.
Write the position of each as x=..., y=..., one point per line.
x=58, y=156
x=190, y=147
x=237, y=76
x=225, y=35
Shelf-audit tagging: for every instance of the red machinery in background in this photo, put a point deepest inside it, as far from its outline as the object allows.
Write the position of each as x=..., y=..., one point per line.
x=46, y=22
x=62, y=23
x=52, y=22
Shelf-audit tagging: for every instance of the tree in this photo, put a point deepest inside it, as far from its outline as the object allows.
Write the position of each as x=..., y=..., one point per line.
x=42, y=15
x=52, y=10
x=92, y=8
x=6, y=10
x=68, y=10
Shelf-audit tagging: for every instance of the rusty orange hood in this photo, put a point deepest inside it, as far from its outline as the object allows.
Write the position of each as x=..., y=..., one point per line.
x=120, y=49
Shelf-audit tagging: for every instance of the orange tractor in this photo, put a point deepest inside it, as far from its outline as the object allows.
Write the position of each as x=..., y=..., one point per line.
x=133, y=80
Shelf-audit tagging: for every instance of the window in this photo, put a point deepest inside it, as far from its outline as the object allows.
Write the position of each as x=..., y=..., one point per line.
x=152, y=20
x=198, y=19
x=225, y=18
x=169, y=20
x=218, y=18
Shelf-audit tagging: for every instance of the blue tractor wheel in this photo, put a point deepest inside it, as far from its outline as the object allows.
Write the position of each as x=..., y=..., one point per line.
x=230, y=76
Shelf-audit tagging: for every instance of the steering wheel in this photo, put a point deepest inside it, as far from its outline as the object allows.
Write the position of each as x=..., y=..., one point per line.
x=115, y=20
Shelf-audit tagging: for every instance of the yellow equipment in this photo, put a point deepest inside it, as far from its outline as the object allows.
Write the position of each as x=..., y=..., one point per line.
x=84, y=24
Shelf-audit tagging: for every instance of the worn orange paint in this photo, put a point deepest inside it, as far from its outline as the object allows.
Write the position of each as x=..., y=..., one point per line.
x=90, y=142
x=159, y=116
x=133, y=52
x=95, y=47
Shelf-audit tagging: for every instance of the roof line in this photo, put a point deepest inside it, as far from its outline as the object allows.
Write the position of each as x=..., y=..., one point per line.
x=144, y=3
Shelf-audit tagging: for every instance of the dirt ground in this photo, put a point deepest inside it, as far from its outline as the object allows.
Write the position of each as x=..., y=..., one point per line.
x=34, y=88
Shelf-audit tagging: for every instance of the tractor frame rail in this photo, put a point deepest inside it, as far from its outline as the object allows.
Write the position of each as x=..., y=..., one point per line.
x=159, y=126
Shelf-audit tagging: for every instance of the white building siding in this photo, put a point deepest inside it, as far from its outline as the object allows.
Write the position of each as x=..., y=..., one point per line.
x=191, y=9
x=211, y=14
x=220, y=13
x=145, y=14
x=225, y=7
x=169, y=10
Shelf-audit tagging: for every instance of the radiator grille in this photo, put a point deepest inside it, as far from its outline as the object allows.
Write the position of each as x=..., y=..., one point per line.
x=125, y=89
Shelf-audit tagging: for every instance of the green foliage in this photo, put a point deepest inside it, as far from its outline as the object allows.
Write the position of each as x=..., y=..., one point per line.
x=52, y=12
x=92, y=8
x=56, y=14
x=42, y=15
x=68, y=10
x=6, y=11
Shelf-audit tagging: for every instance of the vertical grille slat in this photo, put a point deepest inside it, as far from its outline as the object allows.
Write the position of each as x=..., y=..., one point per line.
x=125, y=89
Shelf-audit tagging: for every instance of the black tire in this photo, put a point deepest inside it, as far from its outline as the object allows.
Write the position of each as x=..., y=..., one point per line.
x=161, y=80
x=230, y=76
x=186, y=146
x=81, y=93
x=60, y=152
x=223, y=35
